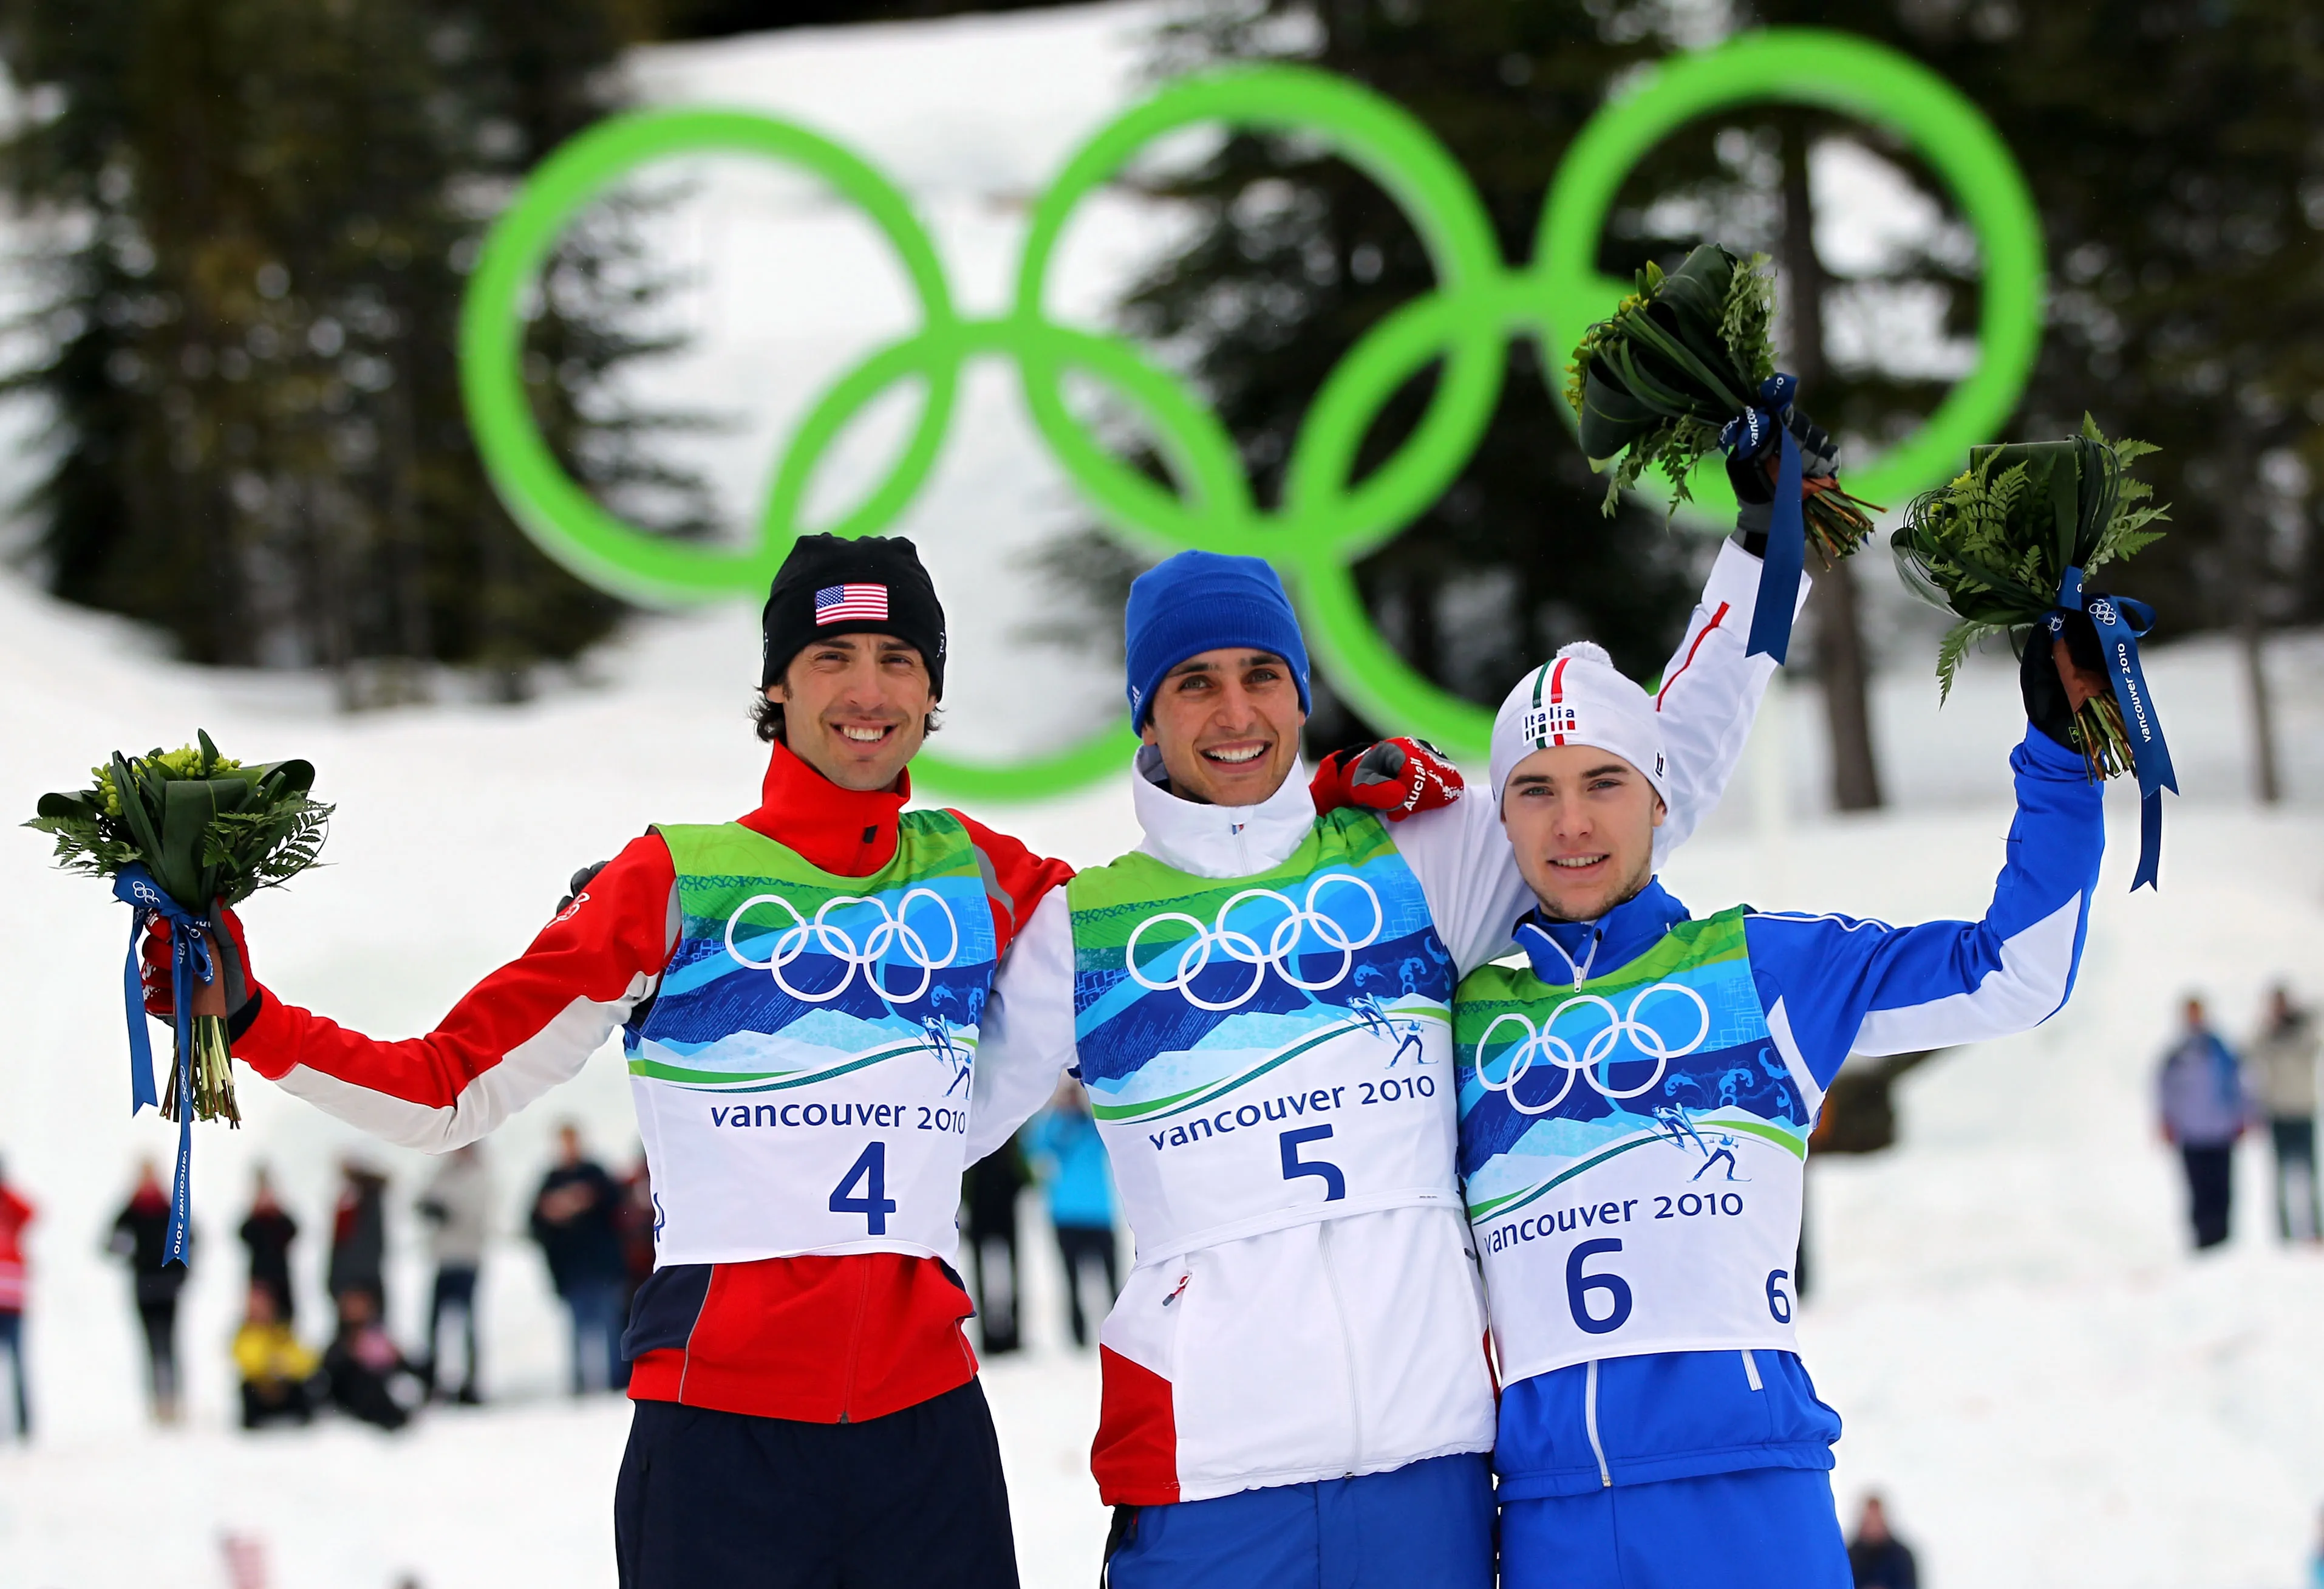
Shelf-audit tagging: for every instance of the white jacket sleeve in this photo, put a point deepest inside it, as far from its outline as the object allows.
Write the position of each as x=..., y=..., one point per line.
x=1026, y=1036
x=1708, y=695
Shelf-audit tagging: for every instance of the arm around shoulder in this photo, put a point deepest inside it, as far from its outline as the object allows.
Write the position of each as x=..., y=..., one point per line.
x=1026, y=1038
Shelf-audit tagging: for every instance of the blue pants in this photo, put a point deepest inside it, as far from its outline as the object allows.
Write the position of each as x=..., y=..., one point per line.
x=597, y=1361
x=1428, y=1524
x=1770, y=1528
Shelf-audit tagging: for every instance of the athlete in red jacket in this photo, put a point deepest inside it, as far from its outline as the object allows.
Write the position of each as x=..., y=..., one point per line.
x=806, y=1405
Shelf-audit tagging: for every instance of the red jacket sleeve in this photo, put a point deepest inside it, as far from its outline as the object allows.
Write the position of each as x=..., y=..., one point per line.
x=528, y=1027
x=1015, y=878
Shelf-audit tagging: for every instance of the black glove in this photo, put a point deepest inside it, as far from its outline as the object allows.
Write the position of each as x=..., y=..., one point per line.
x=580, y=881
x=2047, y=706
x=1754, y=493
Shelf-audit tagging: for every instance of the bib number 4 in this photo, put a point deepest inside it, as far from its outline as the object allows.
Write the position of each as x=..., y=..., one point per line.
x=871, y=1169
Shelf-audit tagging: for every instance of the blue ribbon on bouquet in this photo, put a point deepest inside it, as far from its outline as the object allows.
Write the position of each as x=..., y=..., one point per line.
x=1746, y=437
x=2122, y=624
x=190, y=960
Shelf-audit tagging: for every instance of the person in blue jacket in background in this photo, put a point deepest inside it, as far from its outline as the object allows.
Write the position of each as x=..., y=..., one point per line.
x=1069, y=1159
x=1635, y=1102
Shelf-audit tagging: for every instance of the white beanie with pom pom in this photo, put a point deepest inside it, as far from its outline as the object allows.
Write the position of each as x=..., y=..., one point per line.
x=1578, y=697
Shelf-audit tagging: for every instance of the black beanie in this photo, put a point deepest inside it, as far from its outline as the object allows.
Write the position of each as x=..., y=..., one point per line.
x=871, y=585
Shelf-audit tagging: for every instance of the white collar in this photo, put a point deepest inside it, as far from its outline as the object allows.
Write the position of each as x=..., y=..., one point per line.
x=1219, y=841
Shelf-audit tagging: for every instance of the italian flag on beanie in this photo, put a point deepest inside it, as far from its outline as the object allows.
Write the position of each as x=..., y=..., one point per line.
x=1578, y=697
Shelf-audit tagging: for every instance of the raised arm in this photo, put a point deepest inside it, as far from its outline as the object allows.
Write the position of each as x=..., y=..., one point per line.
x=1837, y=984
x=528, y=1027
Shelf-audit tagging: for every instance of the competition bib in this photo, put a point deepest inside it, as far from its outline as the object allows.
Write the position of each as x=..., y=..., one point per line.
x=802, y=1080
x=1265, y=1051
x=1632, y=1151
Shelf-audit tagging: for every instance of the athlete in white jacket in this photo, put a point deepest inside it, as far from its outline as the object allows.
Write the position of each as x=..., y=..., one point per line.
x=1295, y=1380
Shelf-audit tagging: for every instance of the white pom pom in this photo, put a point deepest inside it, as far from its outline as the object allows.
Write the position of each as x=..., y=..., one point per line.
x=1586, y=651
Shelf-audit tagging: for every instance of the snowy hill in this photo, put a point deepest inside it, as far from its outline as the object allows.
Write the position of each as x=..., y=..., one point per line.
x=2050, y=1390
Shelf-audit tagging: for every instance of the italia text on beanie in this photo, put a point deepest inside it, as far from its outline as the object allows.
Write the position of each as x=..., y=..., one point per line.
x=1201, y=601
x=871, y=585
x=1578, y=697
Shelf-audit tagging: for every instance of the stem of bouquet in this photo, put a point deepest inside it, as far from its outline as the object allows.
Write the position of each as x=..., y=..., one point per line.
x=213, y=1060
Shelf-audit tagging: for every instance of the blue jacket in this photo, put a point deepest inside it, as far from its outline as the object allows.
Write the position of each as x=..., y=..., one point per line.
x=1830, y=986
x=1069, y=1156
x=2201, y=1092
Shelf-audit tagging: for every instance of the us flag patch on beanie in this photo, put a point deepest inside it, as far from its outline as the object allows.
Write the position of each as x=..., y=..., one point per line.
x=842, y=604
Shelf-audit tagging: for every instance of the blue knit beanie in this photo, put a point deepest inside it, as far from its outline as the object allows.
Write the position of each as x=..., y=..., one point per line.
x=1200, y=601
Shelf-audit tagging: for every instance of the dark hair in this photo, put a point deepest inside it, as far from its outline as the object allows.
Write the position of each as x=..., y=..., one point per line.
x=766, y=718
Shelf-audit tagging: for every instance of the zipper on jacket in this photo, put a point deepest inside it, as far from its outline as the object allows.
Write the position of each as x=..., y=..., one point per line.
x=1751, y=1370
x=1589, y=1422
x=1347, y=1349
x=854, y=1340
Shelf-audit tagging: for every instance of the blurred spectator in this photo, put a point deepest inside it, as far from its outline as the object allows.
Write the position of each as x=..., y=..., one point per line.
x=1069, y=1157
x=359, y=1236
x=368, y=1376
x=636, y=1226
x=2316, y=1567
x=992, y=1185
x=2204, y=1111
x=15, y=1213
x=1876, y=1558
x=141, y=1234
x=281, y=1379
x=2283, y=1074
x=268, y=1231
x=574, y=1217
x=458, y=1207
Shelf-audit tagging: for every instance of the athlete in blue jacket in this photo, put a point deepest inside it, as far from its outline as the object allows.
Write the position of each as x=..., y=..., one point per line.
x=1635, y=1108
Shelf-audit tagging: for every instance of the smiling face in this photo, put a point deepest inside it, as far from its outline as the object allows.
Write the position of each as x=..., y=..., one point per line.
x=1582, y=823
x=855, y=707
x=1227, y=723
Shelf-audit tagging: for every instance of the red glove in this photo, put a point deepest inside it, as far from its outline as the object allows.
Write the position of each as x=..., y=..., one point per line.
x=153, y=968
x=1395, y=777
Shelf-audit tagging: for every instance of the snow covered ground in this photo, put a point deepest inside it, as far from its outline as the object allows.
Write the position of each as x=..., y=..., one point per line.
x=2049, y=1389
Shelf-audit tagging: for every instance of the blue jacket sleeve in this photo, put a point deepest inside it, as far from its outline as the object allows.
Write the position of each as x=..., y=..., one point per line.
x=1834, y=985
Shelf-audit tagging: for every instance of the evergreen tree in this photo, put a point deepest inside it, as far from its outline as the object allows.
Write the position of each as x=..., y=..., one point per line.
x=260, y=211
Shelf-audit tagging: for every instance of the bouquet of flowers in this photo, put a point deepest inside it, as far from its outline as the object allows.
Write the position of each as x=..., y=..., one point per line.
x=183, y=834
x=2007, y=548
x=1686, y=367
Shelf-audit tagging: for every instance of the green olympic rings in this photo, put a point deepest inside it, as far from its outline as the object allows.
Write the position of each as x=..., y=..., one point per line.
x=1327, y=519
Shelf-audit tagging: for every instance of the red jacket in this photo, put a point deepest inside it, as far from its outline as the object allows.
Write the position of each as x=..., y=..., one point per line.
x=15, y=1213
x=815, y=1339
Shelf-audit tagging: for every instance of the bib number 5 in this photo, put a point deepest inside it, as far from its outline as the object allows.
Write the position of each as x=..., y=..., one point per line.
x=1335, y=1185
x=871, y=1169
x=1578, y=1284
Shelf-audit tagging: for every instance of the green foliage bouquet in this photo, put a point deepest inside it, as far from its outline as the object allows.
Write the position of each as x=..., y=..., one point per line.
x=1679, y=372
x=1995, y=545
x=2005, y=548
x=184, y=834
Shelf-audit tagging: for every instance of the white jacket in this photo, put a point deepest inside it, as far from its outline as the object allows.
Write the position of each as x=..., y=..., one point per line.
x=1335, y=1346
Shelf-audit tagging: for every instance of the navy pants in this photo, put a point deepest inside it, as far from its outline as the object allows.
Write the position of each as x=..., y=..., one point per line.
x=1429, y=1524
x=721, y=1500
x=1770, y=1528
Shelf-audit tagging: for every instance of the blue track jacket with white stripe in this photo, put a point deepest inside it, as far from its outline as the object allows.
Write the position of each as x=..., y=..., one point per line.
x=1835, y=985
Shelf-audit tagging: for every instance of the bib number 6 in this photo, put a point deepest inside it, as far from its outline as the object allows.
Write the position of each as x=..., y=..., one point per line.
x=871, y=1169
x=1578, y=1284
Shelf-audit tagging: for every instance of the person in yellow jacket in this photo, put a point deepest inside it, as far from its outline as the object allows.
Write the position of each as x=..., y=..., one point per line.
x=282, y=1376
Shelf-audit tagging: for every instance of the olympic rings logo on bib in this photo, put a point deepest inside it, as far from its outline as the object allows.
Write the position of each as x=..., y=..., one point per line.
x=1331, y=512
x=893, y=931
x=1597, y=1051
x=1218, y=938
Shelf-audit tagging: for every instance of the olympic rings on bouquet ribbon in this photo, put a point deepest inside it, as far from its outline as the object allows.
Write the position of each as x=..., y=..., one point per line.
x=190, y=960
x=894, y=930
x=2122, y=622
x=1327, y=519
x=1597, y=1051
